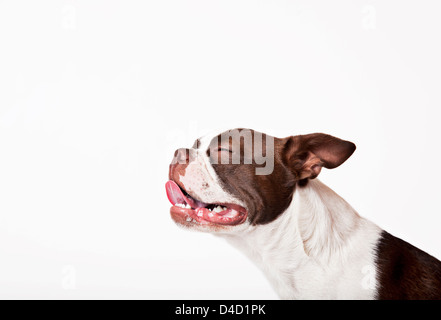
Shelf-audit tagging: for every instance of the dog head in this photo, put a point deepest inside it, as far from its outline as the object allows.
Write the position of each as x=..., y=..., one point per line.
x=243, y=178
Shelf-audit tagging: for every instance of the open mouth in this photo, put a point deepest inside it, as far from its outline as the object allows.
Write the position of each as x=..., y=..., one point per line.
x=189, y=210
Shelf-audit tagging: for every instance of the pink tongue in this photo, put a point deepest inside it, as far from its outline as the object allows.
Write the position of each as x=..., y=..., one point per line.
x=175, y=195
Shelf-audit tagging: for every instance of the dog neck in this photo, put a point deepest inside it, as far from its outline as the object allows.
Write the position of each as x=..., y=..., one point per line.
x=313, y=246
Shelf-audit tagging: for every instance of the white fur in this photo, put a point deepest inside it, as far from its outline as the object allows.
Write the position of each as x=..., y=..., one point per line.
x=202, y=183
x=200, y=179
x=319, y=248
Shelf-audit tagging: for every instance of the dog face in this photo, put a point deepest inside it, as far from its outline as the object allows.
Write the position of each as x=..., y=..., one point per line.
x=243, y=178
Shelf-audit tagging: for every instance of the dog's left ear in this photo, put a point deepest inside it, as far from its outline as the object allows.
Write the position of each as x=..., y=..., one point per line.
x=307, y=154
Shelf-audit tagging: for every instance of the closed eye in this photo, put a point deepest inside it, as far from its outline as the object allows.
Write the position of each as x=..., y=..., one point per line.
x=225, y=149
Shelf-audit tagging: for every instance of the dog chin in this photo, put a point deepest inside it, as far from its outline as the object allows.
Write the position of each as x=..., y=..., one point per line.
x=188, y=222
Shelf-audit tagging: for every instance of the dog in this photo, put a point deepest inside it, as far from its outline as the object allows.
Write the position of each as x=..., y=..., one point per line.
x=308, y=241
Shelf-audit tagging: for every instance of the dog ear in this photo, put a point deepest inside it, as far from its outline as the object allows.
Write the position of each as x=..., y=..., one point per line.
x=307, y=154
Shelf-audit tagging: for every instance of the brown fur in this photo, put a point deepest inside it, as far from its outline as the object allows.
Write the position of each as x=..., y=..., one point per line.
x=406, y=272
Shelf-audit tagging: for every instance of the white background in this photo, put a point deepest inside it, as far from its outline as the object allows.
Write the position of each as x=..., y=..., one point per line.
x=96, y=95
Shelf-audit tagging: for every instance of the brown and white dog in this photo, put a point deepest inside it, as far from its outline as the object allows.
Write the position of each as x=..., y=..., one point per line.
x=308, y=241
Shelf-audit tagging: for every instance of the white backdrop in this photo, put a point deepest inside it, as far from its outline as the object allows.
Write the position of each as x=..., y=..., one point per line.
x=96, y=95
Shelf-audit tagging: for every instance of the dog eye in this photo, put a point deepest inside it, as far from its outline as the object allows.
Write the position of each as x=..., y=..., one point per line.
x=224, y=149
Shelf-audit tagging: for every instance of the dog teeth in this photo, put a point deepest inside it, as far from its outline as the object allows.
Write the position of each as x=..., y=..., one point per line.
x=188, y=219
x=216, y=209
x=182, y=205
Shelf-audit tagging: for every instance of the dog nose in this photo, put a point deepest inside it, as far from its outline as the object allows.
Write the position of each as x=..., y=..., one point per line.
x=182, y=155
x=181, y=159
